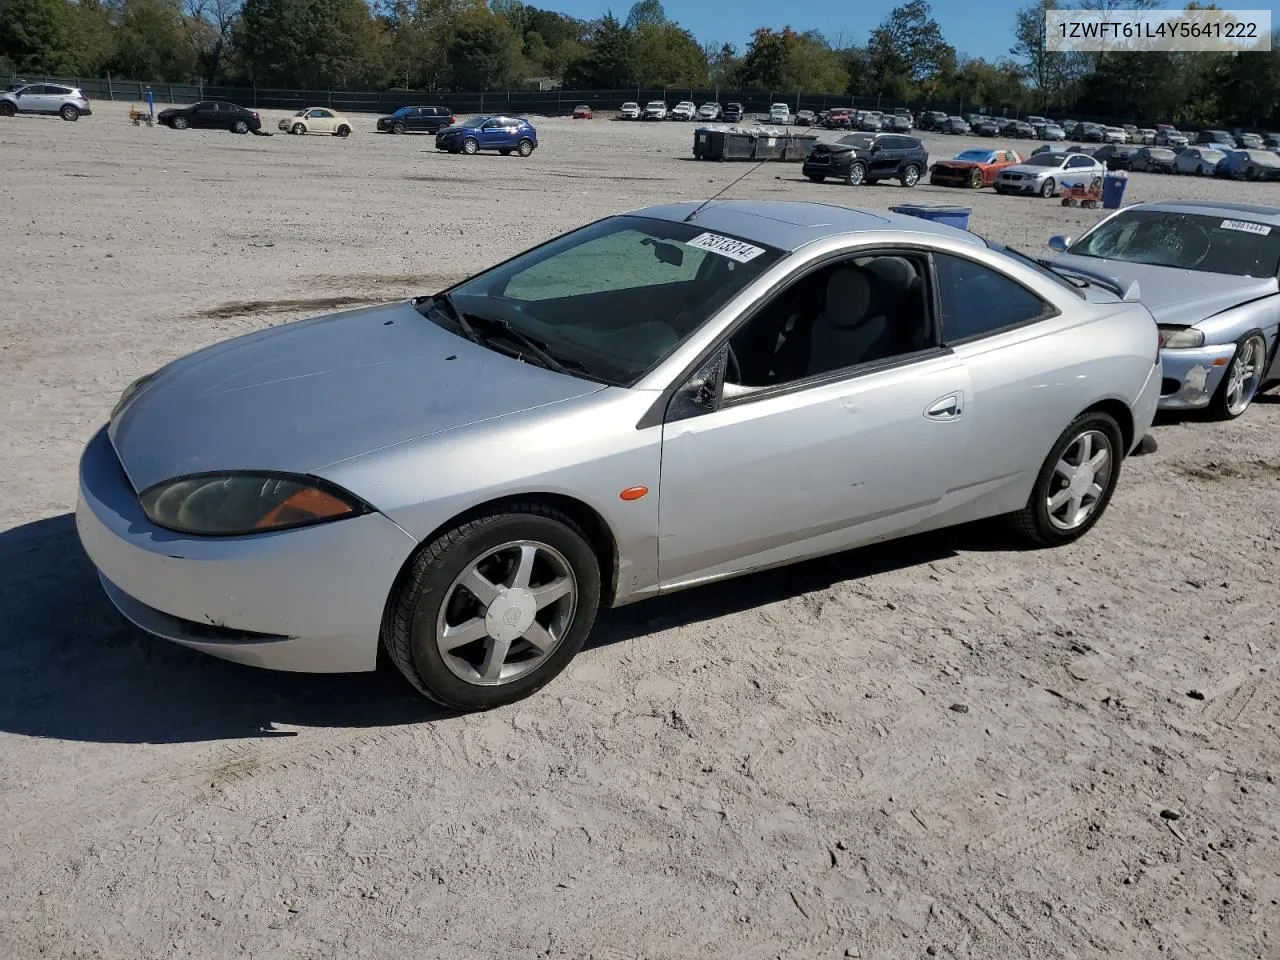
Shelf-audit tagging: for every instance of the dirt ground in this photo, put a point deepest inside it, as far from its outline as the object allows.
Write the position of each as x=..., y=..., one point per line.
x=940, y=747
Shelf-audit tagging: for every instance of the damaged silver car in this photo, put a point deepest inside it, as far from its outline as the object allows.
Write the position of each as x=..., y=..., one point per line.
x=1208, y=272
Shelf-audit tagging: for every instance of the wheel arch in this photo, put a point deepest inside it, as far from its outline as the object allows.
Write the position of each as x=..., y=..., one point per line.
x=599, y=535
x=1119, y=411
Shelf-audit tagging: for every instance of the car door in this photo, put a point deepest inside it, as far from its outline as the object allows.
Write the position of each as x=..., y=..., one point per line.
x=39, y=99
x=321, y=121
x=414, y=121
x=811, y=466
x=206, y=115
x=494, y=134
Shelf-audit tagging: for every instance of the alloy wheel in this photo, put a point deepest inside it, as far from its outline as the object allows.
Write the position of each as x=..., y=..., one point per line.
x=1244, y=375
x=506, y=613
x=1080, y=480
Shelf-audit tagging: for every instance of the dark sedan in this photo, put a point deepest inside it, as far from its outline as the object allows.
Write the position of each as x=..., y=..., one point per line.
x=1153, y=160
x=1117, y=156
x=865, y=158
x=211, y=115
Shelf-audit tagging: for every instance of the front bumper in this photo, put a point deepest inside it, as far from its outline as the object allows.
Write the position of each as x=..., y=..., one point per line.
x=1191, y=377
x=1019, y=186
x=309, y=599
x=950, y=177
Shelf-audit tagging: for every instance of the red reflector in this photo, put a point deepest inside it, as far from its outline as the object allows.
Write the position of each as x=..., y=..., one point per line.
x=633, y=493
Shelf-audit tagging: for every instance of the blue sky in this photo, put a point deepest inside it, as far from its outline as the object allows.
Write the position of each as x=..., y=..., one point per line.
x=976, y=29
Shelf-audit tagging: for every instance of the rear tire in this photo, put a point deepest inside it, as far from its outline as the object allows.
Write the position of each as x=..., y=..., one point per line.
x=525, y=148
x=240, y=126
x=1052, y=516
x=344, y=131
x=68, y=112
x=910, y=176
x=432, y=593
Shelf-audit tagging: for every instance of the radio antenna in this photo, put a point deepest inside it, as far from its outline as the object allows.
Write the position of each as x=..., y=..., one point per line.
x=690, y=218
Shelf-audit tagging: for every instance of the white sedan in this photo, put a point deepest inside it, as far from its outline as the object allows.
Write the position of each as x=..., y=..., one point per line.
x=1044, y=173
x=316, y=120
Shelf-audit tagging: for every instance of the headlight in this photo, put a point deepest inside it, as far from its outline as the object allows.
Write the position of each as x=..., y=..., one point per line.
x=129, y=392
x=1181, y=338
x=239, y=503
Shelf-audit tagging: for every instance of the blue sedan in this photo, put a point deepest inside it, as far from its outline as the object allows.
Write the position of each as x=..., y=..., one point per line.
x=503, y=134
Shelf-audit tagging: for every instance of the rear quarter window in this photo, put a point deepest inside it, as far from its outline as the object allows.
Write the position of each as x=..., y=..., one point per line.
x=977, y=301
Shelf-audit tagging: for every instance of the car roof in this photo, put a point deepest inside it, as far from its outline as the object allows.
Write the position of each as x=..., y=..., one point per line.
x=1254, y=211
x=791, y=224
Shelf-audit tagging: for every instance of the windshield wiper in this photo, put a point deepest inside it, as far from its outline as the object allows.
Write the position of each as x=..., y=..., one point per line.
x=445, y=299
x=534, y=348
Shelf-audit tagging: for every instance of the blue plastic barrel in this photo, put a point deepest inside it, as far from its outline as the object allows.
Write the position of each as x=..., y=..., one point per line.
x=944, y=213
x=1113, y=191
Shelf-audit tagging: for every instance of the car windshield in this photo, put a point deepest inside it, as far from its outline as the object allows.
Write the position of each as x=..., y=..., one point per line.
x=1187, y=241
x=860, y=140
x=613, y=299
x=474, y=121
x=1046, y=160
x=403, y=111
x=1212, y=154
x=1160, y=154
x=976, y=156
x=301, y=113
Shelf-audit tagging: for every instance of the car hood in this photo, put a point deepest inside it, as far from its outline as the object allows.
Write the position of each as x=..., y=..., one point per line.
x=963, y=164
x=1033, y=170
x=303, y=395
x=1179, y=297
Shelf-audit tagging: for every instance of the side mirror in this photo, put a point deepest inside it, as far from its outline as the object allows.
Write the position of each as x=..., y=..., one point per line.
x=1059, y=243
x=701, y=392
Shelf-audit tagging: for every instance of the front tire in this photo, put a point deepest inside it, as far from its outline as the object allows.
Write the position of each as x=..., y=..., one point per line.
x=397, y=128
x=1075, y=483
x=857, y=175
x=68, y=112
x=7, y=109
x=1241, y=381
x=1047, y=188
x=910, y=176
x=975, y=179
x=180, y=123
x=470, y=146
x=493, y=609
x=297, y=129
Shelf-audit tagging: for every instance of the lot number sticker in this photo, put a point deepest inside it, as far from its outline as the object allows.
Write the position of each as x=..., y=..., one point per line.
x=1261, y=229
x=726, y=247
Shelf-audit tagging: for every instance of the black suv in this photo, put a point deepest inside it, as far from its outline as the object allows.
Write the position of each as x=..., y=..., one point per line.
x=211, y=115
x=867, y=157
x=733, y=113
x=417, y=120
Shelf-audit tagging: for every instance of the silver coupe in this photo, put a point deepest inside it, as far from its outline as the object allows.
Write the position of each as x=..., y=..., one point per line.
x=1208, y=271
x=655, y=400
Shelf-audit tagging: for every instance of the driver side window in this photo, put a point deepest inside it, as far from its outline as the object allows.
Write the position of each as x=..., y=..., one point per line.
x=854, y=311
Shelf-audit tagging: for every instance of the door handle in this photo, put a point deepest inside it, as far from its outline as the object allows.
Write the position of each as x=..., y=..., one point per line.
x=947, y=408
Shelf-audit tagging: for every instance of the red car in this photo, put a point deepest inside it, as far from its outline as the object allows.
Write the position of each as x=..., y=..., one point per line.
x=972, y=168
x=582, y=112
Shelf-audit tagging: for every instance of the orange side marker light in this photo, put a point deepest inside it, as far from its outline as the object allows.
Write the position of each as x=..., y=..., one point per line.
x=633, y=493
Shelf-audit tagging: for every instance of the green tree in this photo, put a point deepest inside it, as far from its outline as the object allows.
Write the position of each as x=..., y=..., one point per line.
x=764, y=65
x=1044, y=67
x=611, y=63
x=667, y=55
x=35, y=34
x=906, y=50
x=151, y=41
x=646, y=12
x=484, y=53
x=316, y=44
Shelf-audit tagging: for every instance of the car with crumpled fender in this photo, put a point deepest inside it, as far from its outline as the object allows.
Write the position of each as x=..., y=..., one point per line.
x=656, y=400
x=1208, y=272
x=972, y=168
x=859, y=158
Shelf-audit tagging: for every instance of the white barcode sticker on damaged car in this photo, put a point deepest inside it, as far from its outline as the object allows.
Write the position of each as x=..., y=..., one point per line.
x=726, y=247
x=1261, y=229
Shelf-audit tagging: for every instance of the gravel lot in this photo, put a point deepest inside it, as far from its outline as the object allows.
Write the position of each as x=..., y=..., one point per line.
x=940, y=747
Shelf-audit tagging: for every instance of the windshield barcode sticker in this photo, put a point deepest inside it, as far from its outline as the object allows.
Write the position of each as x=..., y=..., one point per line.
x=1261, y=229
x=726, y=247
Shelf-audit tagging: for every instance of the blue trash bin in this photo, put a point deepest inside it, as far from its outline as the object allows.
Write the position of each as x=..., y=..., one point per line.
x=1113, y=190
x=945, y=213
